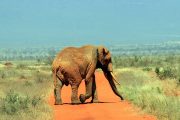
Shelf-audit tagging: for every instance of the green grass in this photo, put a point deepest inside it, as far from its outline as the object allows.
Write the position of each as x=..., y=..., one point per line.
x=149, y=93
x=24, y=90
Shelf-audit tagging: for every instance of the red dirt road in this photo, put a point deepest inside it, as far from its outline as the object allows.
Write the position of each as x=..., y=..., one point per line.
x=109, y=108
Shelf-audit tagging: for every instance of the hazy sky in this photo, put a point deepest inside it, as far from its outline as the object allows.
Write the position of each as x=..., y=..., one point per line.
x=75, y=22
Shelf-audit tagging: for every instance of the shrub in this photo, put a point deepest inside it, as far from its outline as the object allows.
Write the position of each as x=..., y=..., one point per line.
x=23, y=77
x=13, y=103
x=21, y=66
x=147, y=69
x=166, y=72
x=35, y=101
x=28, y=83
x=8, y=64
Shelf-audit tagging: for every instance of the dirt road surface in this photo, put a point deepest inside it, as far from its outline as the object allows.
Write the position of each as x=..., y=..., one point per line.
x=109, y=108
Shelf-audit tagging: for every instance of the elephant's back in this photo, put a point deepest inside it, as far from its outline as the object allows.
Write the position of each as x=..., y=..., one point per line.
x=63, y=57
x=67, y=56
x=74, y=55
x=75, y=52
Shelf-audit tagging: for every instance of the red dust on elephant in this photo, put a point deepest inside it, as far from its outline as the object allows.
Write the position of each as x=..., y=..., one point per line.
x=72, y=65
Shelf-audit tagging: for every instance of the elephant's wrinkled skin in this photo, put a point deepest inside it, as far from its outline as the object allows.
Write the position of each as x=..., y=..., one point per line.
x=72, y=65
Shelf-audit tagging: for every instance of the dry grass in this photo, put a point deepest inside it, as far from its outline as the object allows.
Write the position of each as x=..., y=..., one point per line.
x=148, y=92
x=24, y=90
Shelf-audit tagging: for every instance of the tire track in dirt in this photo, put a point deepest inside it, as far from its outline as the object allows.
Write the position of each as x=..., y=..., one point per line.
x=109, y=108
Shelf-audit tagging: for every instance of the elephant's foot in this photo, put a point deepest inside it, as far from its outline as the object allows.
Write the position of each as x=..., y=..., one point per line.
x=58, y=102
x=75, y=102
x=95, y=101
x=82, y=98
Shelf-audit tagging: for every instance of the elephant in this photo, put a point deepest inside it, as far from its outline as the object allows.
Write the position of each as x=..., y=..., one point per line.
x=73, y=64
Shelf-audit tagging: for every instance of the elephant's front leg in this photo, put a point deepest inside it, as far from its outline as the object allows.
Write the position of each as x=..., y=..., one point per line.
x=88, y=84
x=57, y=92
x=74, y=95
x=94, y=92
x=90, y=90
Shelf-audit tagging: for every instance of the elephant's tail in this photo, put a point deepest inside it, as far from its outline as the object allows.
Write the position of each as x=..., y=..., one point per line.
x=57, y=73
x=54, y=72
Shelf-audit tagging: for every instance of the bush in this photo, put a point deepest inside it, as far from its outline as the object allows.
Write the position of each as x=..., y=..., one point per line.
x=21, y=66
x=166, y=72
x=28, y=83
x=8, y=64
x=13, y=102
x=35, y=101
x=147, y=69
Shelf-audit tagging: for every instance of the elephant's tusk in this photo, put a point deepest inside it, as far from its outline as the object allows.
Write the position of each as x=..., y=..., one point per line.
x=114, y=78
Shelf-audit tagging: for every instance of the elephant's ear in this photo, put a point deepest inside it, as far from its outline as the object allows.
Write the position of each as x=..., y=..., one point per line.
x=103, y=54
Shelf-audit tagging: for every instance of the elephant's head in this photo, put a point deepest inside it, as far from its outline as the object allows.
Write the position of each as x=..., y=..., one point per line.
x=105, y=63
x=104, y=59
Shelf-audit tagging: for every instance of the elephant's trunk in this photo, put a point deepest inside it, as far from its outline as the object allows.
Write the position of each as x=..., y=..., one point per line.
x=110, y=77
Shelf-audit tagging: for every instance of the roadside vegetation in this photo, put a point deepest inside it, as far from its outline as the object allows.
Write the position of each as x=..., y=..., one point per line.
x=151, y=83
x=24, y=90
x=150, y=80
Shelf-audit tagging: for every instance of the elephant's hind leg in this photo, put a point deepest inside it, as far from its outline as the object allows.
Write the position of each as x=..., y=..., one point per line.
x=74, y=95
x=57, y=92
x=74, y=80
